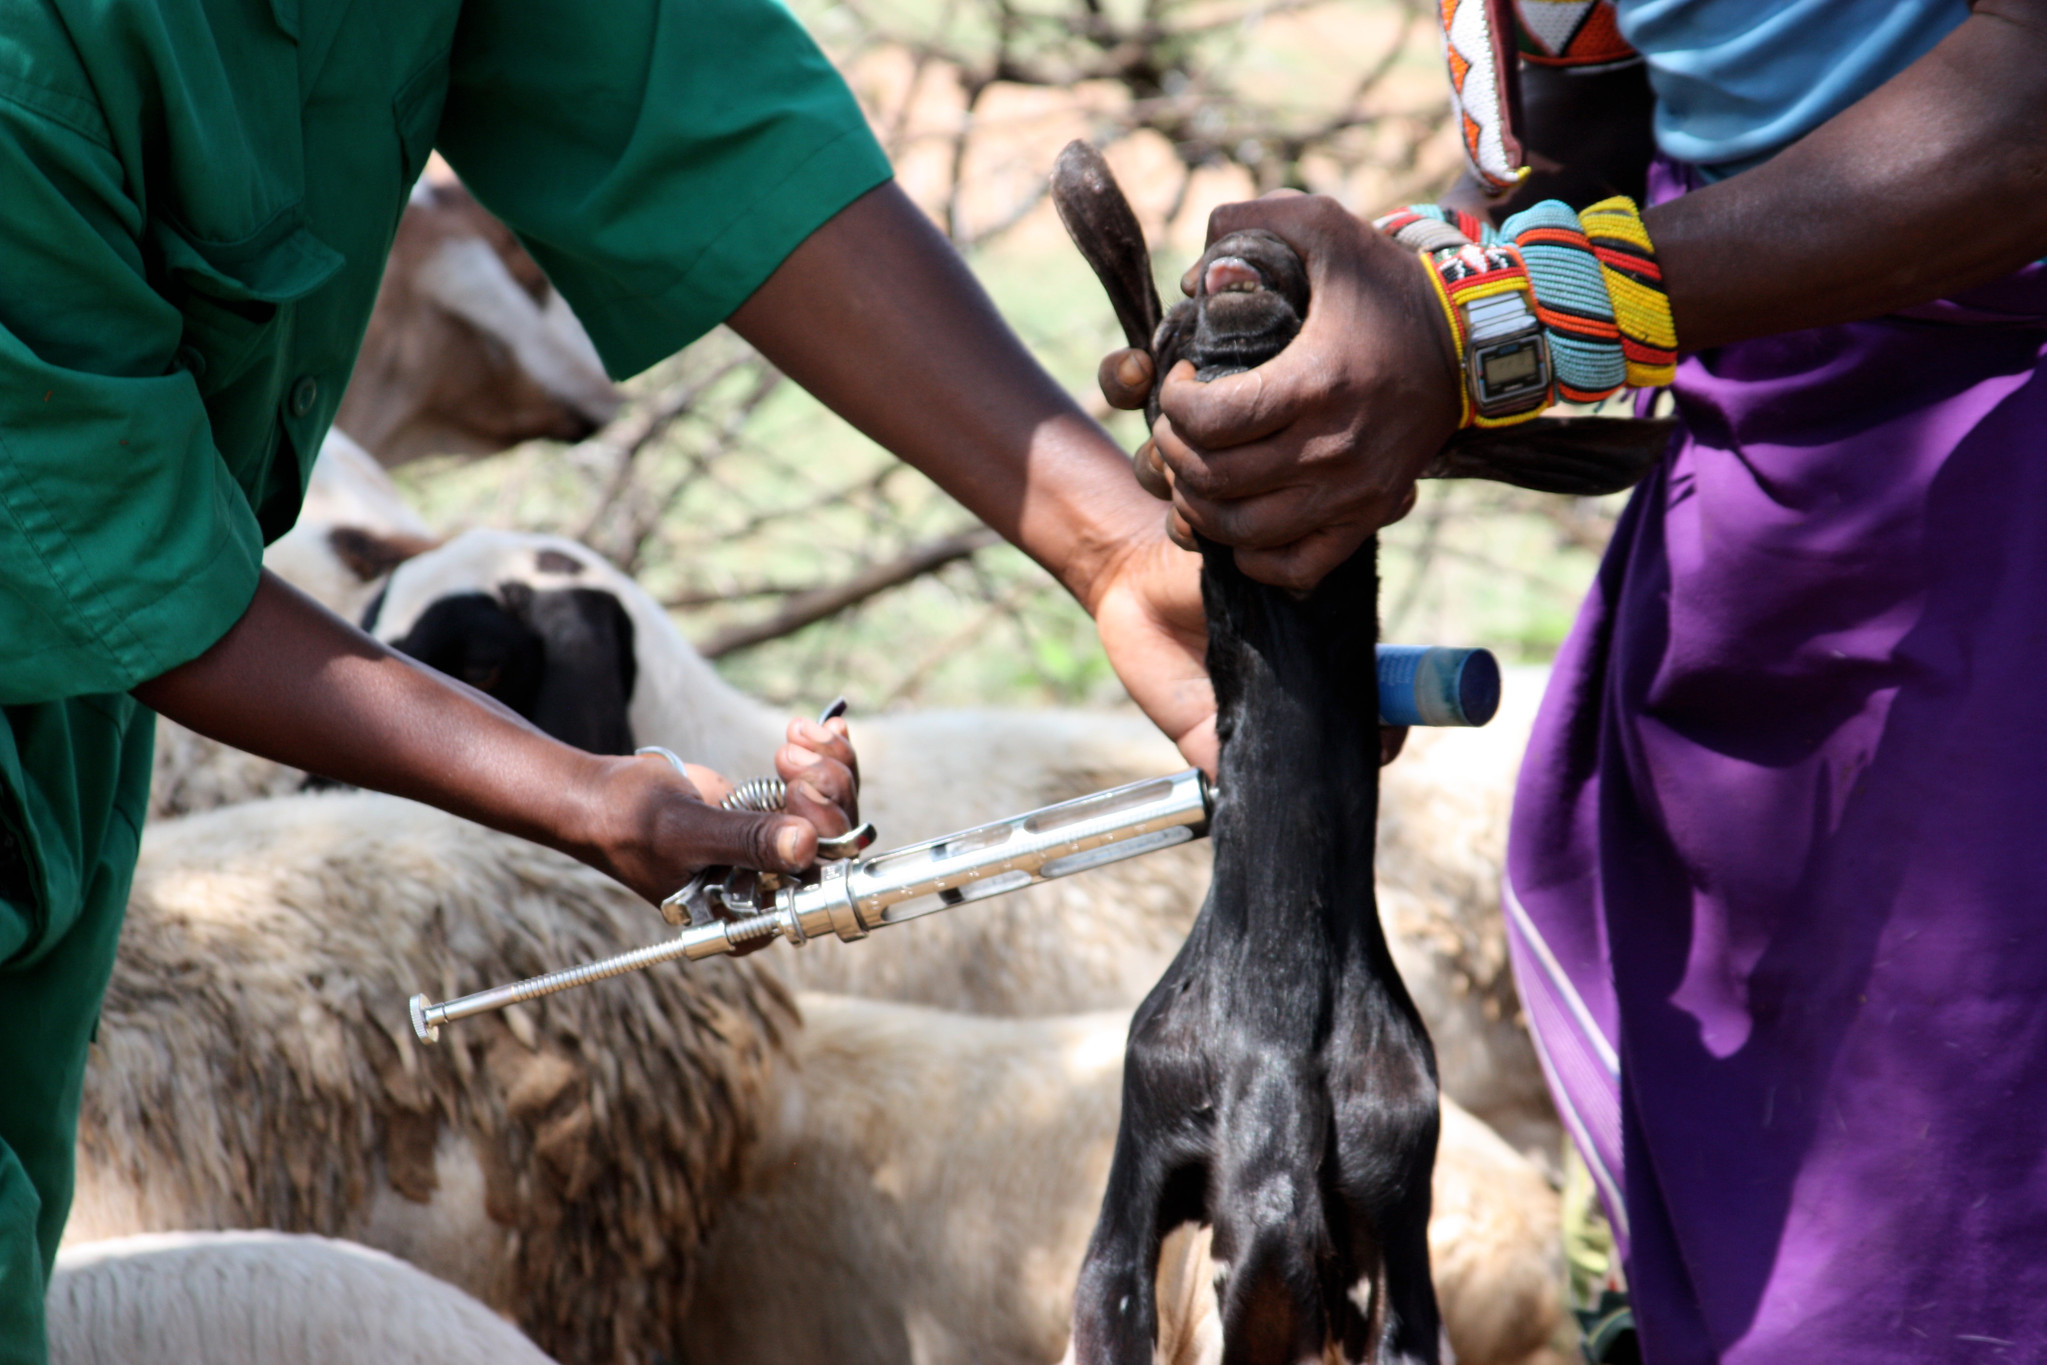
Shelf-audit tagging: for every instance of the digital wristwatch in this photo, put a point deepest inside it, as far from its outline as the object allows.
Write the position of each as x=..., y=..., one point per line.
x=1503, y=345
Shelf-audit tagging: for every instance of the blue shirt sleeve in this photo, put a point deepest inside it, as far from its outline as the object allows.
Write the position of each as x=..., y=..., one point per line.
x=1736, y=81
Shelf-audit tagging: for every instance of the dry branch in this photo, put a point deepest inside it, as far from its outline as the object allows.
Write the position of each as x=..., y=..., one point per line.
x=808, y=608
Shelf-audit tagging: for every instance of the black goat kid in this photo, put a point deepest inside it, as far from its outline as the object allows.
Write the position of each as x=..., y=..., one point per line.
x=1279, y=1083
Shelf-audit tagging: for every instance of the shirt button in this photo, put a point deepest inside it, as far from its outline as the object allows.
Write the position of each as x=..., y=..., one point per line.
x=304, y=394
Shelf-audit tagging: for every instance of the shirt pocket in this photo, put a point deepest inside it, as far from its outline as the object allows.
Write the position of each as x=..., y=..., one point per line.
x=232, y=295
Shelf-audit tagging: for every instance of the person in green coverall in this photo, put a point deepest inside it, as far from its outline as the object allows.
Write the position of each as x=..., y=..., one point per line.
x=196, y=201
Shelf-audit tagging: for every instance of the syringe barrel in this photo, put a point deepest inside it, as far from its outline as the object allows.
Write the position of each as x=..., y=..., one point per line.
x=1004, y=856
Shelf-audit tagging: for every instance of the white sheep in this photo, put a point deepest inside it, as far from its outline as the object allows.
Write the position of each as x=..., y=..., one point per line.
x=264, y=1298
x=255, y=1066
x=928, y=1181
x=468, y=350
x=353, y=528
x=1443, y=811
x=1087, y=943
x=565, y=1161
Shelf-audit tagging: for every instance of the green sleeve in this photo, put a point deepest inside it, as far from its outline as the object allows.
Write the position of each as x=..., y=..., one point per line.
x=658, y=157
x=126, y=547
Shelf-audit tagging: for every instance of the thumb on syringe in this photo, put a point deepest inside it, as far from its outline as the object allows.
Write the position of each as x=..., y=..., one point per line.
x=771, y=843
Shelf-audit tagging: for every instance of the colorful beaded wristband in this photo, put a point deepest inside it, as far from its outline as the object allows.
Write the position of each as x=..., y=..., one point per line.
x=1502, y=349
x=1571, y=299
x=1431, y=227
x=1596, y=287
x=1627, y=261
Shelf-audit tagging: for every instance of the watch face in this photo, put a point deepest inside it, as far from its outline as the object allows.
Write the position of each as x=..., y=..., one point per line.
x=1505, y=369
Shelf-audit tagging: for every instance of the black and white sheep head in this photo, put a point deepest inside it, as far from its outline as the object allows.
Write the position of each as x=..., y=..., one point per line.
x=537, y=622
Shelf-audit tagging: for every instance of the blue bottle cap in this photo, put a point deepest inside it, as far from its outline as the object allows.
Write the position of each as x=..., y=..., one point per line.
x=1432, y=685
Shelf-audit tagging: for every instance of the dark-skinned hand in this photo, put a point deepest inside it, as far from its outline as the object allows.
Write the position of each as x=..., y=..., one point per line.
x=1156, y=636
x=662, y=825
x=1126, y=378
x=877, y=316
x=1294, y=463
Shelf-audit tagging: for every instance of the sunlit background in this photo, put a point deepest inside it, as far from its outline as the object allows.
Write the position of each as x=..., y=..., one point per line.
x=809, y=563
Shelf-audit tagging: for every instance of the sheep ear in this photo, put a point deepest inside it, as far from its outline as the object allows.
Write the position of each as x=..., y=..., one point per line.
x=1582, y=456
x=1099, y=219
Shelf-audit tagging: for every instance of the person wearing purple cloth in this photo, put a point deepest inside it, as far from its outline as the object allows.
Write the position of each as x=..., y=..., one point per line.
x=1777, y=883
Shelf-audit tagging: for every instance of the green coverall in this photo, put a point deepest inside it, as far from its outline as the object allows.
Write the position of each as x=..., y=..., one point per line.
x=196, y=200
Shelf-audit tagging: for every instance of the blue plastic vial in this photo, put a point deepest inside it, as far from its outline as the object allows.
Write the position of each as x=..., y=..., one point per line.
x=1432, y=685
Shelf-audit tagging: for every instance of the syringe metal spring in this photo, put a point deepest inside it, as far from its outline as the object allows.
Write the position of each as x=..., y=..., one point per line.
x=762, y=795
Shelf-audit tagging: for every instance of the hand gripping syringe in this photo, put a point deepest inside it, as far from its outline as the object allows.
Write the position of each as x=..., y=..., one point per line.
x=852, y=899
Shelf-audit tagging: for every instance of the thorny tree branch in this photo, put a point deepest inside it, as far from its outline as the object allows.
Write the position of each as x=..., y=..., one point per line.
x=688, y=490
x=907, y=687
x=644, y=515
x=638, y=427
x=809, y=607
x=1181, y=65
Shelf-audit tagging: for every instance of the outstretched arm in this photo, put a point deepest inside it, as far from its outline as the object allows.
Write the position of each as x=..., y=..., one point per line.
x=293, y=682
x=1933, y=183
x=878, y=317
x=125, y=545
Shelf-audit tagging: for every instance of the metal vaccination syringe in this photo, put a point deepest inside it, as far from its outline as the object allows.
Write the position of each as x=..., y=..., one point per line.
x=851, y=899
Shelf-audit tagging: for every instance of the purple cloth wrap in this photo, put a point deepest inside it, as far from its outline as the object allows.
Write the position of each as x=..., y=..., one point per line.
x=1777, y=878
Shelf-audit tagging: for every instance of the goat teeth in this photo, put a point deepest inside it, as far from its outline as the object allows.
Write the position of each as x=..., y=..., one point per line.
x=1231, y=275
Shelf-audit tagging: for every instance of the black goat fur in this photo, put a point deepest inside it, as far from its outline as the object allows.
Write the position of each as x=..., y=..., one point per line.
x=1234, y=331
x=1279, y=1084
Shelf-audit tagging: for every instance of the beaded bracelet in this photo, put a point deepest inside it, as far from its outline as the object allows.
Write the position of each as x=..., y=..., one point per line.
x=1627, y=261
x=1597, y=290
x=1572, y=300
x=1431, y=227
x=1502, y=349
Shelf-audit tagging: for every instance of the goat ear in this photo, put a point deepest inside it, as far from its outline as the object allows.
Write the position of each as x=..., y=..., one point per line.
x=1099, y=219
x=587, y=685
x=1582, y=456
